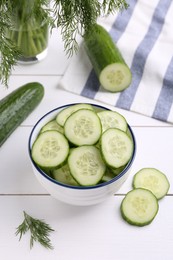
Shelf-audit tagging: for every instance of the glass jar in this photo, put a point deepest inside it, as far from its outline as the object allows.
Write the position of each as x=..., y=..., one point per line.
x=30, y=30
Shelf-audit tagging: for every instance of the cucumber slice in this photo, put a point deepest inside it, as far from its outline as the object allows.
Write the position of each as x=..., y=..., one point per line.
x=110, y=67
x=83, y=127
x=153, y=180
x=112, y=119
x=63, y=175
x=52, y=125
x=107, y=176
x=117, y=170
x=116, y=147
x=139, y=207
x=86, y=165
x=66, y=112
x=50, y=149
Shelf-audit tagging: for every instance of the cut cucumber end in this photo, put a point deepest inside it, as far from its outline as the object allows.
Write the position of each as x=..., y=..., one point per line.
x=115, y=77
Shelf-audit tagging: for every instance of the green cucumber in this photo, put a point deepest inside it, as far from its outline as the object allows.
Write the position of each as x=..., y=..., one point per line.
x=86, y=165
x=66, y=112
x=107, y=176
x=64, y=176
x=116, y=147
x=52, y=125
x=50, y=150
x=153, y=180
x=109, y=65
x=117, y=171
x=83, y=127
x=93, y=162
x=139, y=207
x=112, y=119
x=16, y=106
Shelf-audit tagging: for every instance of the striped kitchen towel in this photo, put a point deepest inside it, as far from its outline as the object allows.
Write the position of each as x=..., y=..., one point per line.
x=144, y=35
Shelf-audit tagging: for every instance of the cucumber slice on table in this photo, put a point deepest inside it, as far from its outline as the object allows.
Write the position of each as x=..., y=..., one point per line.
x=153, y=180
x=86, y=165
x=83, y=127
x=66, y=112
x=112, y=119
x=139, y=207
x=50, y=150
x=52, y=125
x=116, y=147
x=110, y=67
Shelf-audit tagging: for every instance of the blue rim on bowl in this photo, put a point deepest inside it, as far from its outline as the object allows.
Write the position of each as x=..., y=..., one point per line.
x=80, y=187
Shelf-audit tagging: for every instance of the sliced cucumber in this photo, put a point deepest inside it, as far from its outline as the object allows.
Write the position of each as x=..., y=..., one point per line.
x=86, y=165
x=139, y=207
x=112, y=119
x=52, y=125
x=112, y=71
x=107, y=176
x=55, y=145
x=117, y=171
x=50, y=150
x=83, y=127
x=116, y=147
x=63, y=175
x=153, y=180
x=66, y=112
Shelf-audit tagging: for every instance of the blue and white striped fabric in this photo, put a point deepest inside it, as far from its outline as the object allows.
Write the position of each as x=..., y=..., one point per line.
x=144, y=35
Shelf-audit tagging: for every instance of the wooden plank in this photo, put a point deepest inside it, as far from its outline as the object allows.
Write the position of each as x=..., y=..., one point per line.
x=96, y=232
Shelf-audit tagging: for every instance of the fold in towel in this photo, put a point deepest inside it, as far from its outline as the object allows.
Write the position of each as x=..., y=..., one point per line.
x=144, y=35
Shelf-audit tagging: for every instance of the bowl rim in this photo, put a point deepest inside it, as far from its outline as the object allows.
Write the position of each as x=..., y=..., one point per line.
x=103, y=184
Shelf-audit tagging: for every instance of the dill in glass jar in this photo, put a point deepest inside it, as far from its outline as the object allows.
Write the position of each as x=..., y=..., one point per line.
x=29, y=30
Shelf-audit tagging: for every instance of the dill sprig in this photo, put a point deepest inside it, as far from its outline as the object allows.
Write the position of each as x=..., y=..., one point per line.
x=9, y=52
x=77, y=17
x=39, y=231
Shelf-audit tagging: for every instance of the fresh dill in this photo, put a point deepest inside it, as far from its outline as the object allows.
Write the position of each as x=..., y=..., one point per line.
x=39, y=231
x=76, y=17
x=73, y=18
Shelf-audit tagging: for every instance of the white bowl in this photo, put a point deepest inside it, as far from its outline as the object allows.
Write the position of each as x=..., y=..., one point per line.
x=77, y=195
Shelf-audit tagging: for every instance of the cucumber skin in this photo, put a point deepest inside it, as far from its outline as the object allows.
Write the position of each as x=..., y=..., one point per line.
x=101, y=49
x=15, y=107
x=134, y=223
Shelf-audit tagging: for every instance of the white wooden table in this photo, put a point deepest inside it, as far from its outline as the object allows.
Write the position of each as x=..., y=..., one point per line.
x=81, y=233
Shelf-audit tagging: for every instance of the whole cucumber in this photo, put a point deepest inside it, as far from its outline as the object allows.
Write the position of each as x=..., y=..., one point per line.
x=16, y=106
x=108, y=63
